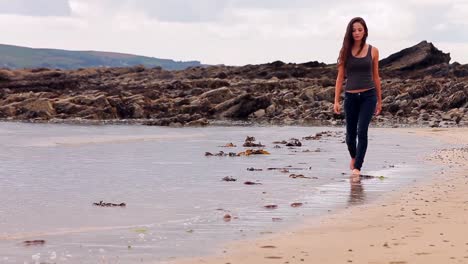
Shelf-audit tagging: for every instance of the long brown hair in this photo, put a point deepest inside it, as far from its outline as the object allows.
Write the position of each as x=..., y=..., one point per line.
x=348, y=40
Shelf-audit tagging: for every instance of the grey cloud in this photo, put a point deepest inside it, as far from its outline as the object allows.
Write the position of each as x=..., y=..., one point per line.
x=275, y=4
x=181, y=10
x=452, y=33
x=35, y=7
x=427, y=26
x=209, y=10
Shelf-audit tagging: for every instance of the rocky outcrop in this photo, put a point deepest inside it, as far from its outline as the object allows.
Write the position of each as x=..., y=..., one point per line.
x=422, y=55
x=419, y=87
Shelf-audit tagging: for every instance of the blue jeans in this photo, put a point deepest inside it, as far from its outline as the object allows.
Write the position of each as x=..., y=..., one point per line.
x=359, y=109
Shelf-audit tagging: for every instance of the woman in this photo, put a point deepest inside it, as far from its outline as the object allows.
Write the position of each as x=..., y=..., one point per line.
x=359, y=62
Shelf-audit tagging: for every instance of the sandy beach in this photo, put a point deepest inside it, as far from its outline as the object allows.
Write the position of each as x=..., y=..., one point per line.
x=422, y=223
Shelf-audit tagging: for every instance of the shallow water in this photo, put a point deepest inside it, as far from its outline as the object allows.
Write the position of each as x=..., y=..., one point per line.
x=50, y=175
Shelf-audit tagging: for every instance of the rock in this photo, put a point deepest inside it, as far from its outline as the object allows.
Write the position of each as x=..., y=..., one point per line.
x=221, y=154
x=259, y=113
x=425, y=116
x=228, y=179
x=433, y=123
x=221, y=75
x=277, y=64
x=456, y=100
x=229, y=103
x=294, y=142
x=217, y=96
x=250, y=143
x=249, y=152
x=245, y=105
x=313, y=64
x=227, y=217
x=197, y=106
x=271, y=109
x=326, y=82
x=392, y=108
x=38, y=108
x=388, y=99
x=460, y=70
x=102, y=204
x=308, y=94
x=198, y=122
x=130, y=110
x=136, y=111
x=6, y=75
x=447, y=116
x=68, y=108
x=327, y=94
x=251, y=183
x=454, y=115
x=419, y=87
x=403, y=96
x=181, y=101
x=296, y=204
x=288, y=96
x=37, y=242
x=424, y=89
x=296, y=176
x=422, y=55
x=175, y=124
x=196, y=91
x=438, y=70
x=281, y=75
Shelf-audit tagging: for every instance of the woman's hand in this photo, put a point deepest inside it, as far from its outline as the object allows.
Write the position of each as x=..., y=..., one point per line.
x=337, y=108
x=378, y=108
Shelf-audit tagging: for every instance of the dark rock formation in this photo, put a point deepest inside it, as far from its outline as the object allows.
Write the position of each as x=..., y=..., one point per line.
x=419, y=86
x=420, y=56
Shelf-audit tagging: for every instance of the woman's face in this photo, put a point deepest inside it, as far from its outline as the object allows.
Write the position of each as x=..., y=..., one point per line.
x=358, y=31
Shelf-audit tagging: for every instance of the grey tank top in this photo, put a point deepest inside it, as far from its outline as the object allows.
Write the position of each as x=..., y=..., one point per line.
x=359, y=72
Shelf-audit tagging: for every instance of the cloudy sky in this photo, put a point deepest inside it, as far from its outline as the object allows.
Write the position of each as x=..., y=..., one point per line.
x=233, y=32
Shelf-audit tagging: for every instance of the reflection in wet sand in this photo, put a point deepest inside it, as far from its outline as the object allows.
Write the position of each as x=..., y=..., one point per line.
x=108, y=139
x=356, y=194
x=67, y=231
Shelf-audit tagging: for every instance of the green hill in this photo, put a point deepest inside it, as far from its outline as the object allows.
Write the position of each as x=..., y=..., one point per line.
x=15, y=57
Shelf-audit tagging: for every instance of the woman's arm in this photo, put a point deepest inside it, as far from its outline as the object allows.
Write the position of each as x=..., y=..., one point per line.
x=376, y=77
x=338, y=88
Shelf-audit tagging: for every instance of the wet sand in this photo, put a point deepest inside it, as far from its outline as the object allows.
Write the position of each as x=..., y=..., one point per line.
x=422, y=223
x=54, y=173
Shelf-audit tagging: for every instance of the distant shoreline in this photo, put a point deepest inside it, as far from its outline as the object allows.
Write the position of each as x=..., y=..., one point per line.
x=212, y=123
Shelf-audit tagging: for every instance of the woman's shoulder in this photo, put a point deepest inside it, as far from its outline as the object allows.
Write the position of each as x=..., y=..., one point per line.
x=374, y=50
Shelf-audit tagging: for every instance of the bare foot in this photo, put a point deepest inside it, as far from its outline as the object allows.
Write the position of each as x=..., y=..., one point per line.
x=351, y=165
x=356, y=172
x=355, y=178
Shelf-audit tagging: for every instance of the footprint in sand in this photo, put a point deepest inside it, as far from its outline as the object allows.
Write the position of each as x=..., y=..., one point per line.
x=268, y=247
x=422, y=253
